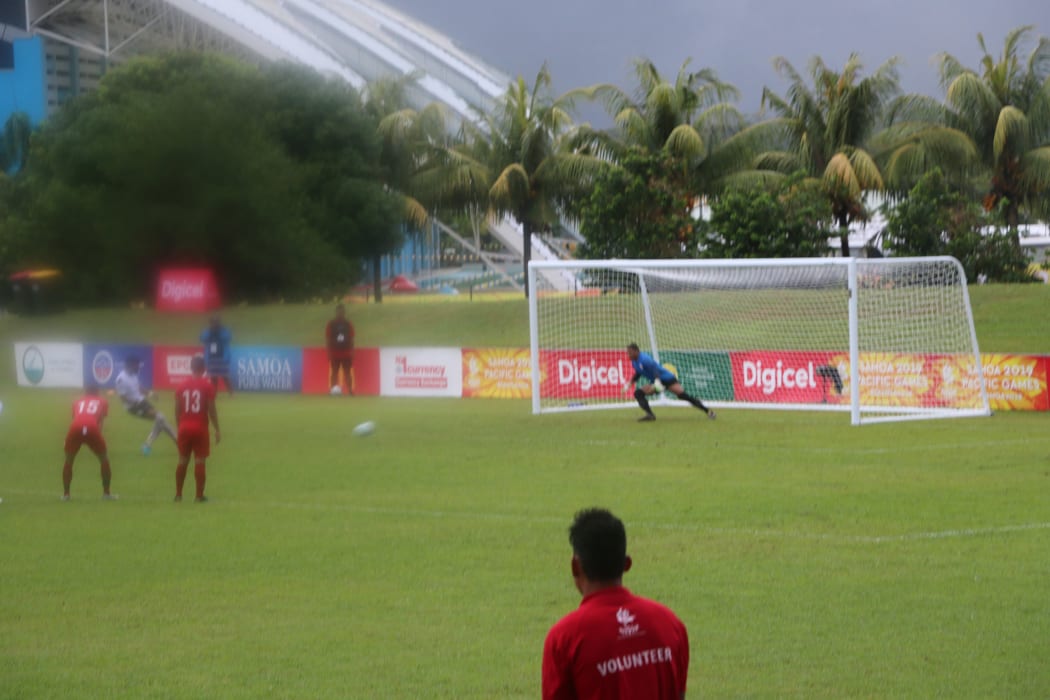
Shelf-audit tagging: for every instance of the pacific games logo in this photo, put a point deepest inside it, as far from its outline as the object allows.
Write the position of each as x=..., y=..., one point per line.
x=33, y=364
x=102, y=367
x=628, y=628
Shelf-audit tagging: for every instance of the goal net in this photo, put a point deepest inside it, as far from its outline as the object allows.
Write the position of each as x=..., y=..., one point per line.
x=885, y=339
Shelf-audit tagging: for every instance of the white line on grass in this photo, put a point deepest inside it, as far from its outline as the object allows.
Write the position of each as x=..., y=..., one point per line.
x=678, y=527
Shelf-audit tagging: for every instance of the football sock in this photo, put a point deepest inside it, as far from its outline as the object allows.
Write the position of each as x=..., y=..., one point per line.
x=180, y=479
x=199, y=477
x=107, y=475
x=693, y=400
x=640, y=397
x=67, y=476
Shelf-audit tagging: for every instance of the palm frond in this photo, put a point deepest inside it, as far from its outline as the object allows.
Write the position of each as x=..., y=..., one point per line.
x=1011, y=133
x=685, y=142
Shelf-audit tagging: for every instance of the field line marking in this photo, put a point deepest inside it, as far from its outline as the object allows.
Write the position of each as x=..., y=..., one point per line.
x=955, y=533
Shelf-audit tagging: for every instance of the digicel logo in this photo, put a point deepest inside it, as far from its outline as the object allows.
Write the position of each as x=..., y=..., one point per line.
x=772, y=378
x=177, y=291
x=591, y=374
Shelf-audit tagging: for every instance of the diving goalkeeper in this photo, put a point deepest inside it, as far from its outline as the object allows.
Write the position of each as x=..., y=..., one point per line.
x=659, y=379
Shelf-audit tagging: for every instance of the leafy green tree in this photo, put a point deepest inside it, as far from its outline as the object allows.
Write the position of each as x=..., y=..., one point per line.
x=517, y=161
x=935, y=219
x=1004, y=106
x=790, y=218
x=159, y=166
x=636, y=210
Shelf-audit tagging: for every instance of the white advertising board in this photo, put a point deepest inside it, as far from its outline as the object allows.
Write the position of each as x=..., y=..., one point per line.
x=50, y=364
x=421, y=372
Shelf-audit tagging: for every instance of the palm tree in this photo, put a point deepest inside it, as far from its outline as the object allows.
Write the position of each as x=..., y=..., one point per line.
x=517, y=160
x=824, y=131
x=1005, y=108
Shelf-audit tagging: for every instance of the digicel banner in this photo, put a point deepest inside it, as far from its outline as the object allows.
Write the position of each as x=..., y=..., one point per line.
x=788, y=377
x=585, y=374
x=190, y=289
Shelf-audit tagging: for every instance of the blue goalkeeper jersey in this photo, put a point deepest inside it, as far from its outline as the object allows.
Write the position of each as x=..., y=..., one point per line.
x=647, y=367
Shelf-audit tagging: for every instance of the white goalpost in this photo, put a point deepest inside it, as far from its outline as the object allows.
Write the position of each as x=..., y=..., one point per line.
x=885, y=339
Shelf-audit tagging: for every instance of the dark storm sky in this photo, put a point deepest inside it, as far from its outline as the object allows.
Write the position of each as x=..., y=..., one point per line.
x=591, y=41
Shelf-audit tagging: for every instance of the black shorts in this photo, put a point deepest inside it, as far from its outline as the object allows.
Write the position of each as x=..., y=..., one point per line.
x=142, y=409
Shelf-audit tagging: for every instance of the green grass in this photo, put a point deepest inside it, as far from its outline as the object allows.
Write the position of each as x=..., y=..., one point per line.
x=809, y=559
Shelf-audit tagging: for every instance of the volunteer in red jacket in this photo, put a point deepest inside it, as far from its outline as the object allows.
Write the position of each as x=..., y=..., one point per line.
x=616, y=644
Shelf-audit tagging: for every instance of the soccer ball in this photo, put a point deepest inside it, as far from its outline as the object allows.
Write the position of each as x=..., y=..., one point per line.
x=336, y=390
x=365, y=429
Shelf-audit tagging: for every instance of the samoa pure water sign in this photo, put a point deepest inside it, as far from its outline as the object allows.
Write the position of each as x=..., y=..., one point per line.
x=270, y=369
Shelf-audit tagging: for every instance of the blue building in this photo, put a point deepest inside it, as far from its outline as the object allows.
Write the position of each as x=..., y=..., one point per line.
x=23, y=80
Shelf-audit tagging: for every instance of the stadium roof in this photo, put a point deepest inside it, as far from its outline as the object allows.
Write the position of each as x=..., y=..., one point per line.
x=357, y=40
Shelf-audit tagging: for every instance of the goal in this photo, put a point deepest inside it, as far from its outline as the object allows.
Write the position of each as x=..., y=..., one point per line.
x=884, y=339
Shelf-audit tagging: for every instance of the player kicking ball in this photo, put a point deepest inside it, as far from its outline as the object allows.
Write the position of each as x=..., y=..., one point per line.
x=194, y=407
x=659, y=379
x=89, y=411
x=130, y=391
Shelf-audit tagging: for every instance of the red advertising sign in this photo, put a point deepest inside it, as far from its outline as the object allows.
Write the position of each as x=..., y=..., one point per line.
x=789, y=377
x=584, y=374
x=365, y=371
x=171, y=364
x=187, y=289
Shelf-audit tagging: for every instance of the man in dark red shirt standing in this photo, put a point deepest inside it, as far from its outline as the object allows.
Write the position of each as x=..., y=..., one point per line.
x=194, y=407
x=339, y=339
x=616, y=644
x=89, y=411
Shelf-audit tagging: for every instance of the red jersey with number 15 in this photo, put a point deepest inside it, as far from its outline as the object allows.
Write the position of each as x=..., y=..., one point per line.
x=192, y=399
x=89, y=410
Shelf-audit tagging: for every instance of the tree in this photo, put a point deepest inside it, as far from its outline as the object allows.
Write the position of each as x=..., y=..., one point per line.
x=636, y=210
x=935, y=219
x=790, y=218
x=517, y=161
x=1005, y=108
x=159, y=166
x=824, y=128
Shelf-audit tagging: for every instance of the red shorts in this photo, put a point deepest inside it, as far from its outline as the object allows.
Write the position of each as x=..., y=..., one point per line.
x=194, y=439
x=85, y=435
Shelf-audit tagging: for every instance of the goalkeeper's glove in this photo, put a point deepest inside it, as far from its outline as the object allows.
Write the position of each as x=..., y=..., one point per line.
x=658, y=385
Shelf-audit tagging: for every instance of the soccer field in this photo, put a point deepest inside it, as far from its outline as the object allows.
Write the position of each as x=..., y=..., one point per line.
x=808, y=559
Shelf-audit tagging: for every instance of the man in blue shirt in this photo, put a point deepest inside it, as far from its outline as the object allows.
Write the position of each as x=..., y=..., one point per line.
x=659, y=379
x=216, y=339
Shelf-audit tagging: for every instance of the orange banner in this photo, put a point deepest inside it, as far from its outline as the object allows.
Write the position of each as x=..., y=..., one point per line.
x=1016, y=382
x=497, y=373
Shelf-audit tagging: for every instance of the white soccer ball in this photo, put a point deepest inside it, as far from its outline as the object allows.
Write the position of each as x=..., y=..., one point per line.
x=365, y=429
x=336, y=390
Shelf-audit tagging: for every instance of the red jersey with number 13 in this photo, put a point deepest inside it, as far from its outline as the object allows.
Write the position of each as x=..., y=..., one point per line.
x=193, y=398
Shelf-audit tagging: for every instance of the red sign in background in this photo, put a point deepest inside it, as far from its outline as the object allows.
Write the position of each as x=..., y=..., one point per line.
x=365, y=371
x=786, y=377
x=187, y=289
x=171, y=365
x=585, y=374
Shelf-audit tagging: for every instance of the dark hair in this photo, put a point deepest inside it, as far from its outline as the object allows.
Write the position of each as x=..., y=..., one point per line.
x=197, y=364
x=132, y=360
x=633, y=346
x=599, y=541
x=91, y=389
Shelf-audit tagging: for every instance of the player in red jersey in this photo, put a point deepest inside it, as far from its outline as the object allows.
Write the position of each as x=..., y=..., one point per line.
x=89, y=412
x=616, y=644
x=194, y=407
x=339, y=339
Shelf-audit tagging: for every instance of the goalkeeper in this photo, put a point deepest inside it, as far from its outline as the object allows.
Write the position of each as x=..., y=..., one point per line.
x=659, y=380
